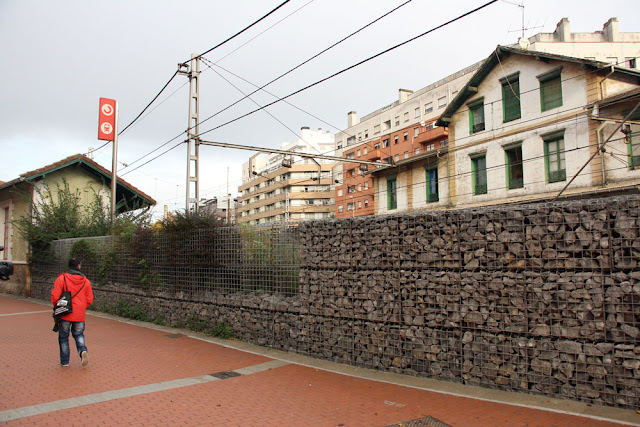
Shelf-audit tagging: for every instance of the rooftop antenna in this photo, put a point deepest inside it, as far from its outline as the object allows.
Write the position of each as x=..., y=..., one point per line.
x=522, y=41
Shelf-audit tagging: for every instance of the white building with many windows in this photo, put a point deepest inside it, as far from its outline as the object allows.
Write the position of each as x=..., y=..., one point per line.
x=525, y=123
x=283, y=187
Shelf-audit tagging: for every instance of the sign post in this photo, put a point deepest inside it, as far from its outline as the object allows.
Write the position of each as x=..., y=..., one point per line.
x=108, y=131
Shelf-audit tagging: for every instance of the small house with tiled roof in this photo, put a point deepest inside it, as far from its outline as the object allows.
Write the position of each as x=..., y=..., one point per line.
x=83, y=175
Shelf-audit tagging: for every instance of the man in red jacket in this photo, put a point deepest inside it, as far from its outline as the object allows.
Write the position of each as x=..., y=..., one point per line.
x=82, y=297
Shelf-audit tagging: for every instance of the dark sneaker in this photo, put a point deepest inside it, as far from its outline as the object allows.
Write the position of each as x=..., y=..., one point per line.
x=85, y=358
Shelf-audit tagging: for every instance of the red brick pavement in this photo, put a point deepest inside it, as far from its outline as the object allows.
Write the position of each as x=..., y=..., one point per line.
x=124, y=355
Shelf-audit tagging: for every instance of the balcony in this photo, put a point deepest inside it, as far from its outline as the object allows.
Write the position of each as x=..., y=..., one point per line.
x=431, y=135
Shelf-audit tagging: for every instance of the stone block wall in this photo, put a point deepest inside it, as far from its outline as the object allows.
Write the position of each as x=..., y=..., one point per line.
x=540, y=298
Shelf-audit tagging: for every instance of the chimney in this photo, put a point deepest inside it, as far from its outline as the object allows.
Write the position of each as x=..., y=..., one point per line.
x=352, y=119
x=403, y=94
x=563, y=30
x=610, y=30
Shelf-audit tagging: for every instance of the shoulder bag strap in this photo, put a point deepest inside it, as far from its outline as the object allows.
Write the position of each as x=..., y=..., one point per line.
x=85, y=282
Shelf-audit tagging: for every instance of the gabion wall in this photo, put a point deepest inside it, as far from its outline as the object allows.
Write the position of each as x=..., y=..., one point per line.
x=540, y=298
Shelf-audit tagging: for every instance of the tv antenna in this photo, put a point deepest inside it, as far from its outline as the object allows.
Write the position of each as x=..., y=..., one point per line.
x=524, y=44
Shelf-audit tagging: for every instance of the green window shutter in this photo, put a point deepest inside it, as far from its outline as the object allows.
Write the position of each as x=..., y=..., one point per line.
x=551, y=93
x=479, y=175
x=432, y=185
x=555, y=160
x=511, y=99
x=633, y=147
x=392, y=196
x=476, y=115
x=515, y=172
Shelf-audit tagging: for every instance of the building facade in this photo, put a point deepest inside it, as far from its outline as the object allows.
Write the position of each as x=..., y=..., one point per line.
x=409, y=135
x=525, y=125
x=402, y=130
x=281, y=187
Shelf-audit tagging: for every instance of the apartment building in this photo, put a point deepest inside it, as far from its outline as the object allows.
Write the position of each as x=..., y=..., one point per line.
x=423, y=172
x=524, y=125
x=285, y=187
x=405, y=129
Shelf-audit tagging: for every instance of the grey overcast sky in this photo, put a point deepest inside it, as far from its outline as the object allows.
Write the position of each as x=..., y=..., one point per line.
x=59, y=57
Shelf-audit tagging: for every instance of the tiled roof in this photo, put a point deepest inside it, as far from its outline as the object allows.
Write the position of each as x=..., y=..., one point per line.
x=77, y=158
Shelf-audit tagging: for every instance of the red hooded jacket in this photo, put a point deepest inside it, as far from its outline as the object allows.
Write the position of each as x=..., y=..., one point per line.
x=73, y=283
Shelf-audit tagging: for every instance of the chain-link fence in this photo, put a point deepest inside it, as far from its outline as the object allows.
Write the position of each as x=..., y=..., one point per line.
x=219, y=260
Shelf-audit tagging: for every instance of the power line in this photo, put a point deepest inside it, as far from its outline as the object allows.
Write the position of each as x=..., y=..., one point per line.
x=238, y=33
x=265, y=30
x=277, y=78
x=353, y=66
x=306, y=61
x=149, y=104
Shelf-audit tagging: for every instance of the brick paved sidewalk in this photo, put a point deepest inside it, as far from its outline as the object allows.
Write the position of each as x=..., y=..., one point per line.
x=144, y=375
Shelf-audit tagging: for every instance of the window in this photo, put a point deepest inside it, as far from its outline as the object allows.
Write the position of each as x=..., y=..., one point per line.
x=417, y=112
x=350, y=206
x=515, y=175
x=359, y=136
x=417, y=151
x=432, y=185
x=386, y=125
x=428, y=107
x=366, y=150
x=550, y=90
x=397, y=157
x=366, y=133
x=358, y=153
x=376, y=146
x=633, y=145
x=405, y=136
x=510, y=97
x=395, y=139
x=366, y=203
x=442, y=102
x=397, y=120
x=366, y=185
x=406, y=154
x=339, y=192
x=351, y=155
x=554, y=158
x=351, y=189
x=392, y=196
x=351, y=140
x=339, y=208
x=416, y=131
x=476, y=115
x=376, y=129
x=359, y=205
x=612, y=60
x=630, y=62
x=406, y=117
x=479, y=175
x=359, y=187
x=351, y=173
x=385, y=142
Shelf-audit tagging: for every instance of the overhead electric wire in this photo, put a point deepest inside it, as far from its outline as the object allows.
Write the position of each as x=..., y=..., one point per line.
x=204, y=53
x=239, y=32
x=353, y=66
x=149, y=104
x=308, y=60
x=298, y=66
x=265, y=30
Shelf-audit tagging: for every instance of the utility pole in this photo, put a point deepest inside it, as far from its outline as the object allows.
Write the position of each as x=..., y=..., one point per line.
x=193, y=134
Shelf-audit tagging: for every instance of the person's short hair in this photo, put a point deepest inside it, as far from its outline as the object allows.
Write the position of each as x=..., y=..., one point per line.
x=74, y=263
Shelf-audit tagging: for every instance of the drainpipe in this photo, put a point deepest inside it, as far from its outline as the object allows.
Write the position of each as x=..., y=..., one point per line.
x=613, y=69
x=601, y=150
x=438, y=155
